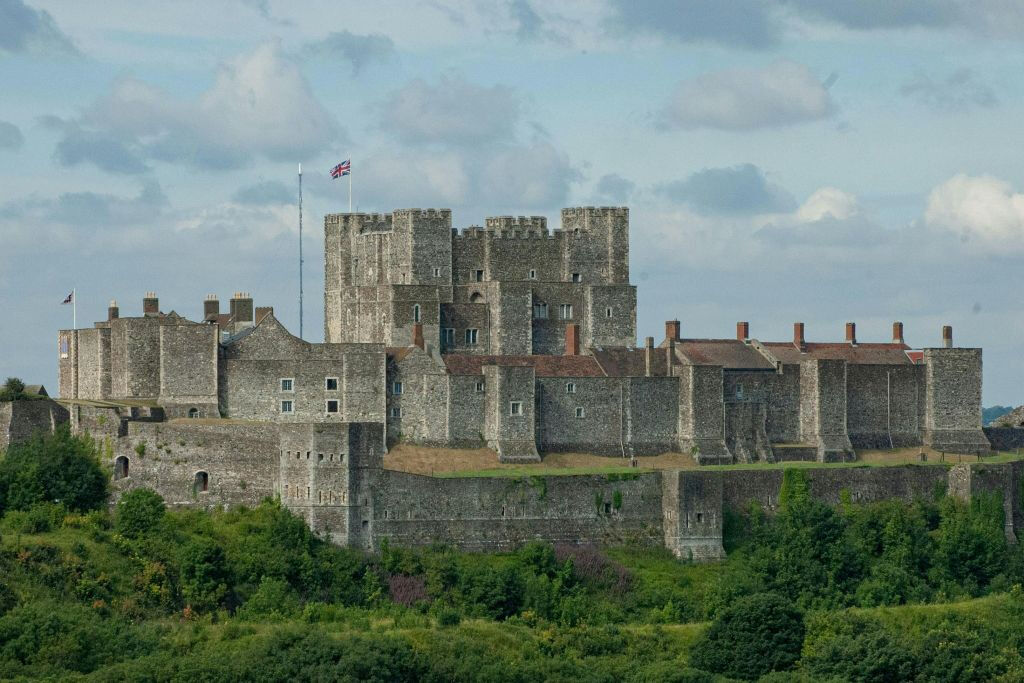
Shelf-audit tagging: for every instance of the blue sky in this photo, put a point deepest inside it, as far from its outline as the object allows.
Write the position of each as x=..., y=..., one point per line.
x=783, y=160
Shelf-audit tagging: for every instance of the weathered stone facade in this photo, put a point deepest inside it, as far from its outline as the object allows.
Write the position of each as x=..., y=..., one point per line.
x=20, y=420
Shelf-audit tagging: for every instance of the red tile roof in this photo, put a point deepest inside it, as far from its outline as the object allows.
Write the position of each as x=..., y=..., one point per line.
x=731, y=354
x=629, y=362
x=544, y=366
x=868, y=354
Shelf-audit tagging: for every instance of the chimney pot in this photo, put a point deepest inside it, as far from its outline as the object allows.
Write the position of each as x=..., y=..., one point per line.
x=798, y=336
x=947, y=336
x=417, y=335
x=672, y=330
x=743, y=331
x=572, y=339
x=648, y=351
x=851, y=333
x=897, y=333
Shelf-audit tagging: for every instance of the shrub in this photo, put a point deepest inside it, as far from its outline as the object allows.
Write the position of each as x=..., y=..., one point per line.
x=12, y=390
x=448, y=616
x=52, y=468
x=204, y=574
x=407, y=590
x=757, y=634
x=273, y=598
x=139, y=511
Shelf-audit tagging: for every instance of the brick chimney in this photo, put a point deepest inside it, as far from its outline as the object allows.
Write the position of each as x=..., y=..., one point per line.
x=112, y=310
x=648, y=351
x=851, y=333
x=897, y=333
x=947, y=336
x=672, y=330
x=150, y=304
x=211, y=307
x=572, y=339
x=743, y=331
x=417, y=335
x=241, y=309
x=798, y=336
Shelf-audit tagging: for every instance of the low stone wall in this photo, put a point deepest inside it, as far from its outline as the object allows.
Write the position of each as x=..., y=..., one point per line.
x=1005, y=438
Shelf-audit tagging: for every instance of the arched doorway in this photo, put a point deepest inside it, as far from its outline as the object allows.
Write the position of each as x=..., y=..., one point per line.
x=120, y=467
x=202, y=482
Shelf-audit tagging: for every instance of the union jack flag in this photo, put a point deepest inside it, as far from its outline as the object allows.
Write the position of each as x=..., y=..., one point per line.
x=344, y=168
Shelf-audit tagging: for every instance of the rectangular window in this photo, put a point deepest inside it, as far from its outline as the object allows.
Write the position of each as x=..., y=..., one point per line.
x=471, y=337
x=448, y=336
x=479, y=387
x=540, y=311
x=533, y=274
x=65, y=346
x=287, y=407
x=287, y=384
x=608, y=312
x=437, y=272
x=580, y=412
x=396, y=388
x=396, y=413
x=739, y=391
x=570, y=387
x=416, y=313
x=576, y=277
x=515, y=408
x=331, y=383
x=478, y=276
x=565, y=311
x=332, y=406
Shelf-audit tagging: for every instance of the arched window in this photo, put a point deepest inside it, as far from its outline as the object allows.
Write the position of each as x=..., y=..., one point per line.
x=416, y=313
x=476, y=298
x=193, y=412
x=202, y=483
x=120, y=467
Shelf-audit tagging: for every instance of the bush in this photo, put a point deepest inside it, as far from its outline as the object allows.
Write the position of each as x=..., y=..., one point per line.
x=273, y=598
x=139, y=511
x=756, y=635
x=204, y=575
x=52, y=468
x=12, y=390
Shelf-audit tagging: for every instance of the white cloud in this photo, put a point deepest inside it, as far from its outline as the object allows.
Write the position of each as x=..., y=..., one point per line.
x=27, y=30
x=827, y=202
x=453, y=111
x=259, y=105
x=983, y=210
x=781, y=94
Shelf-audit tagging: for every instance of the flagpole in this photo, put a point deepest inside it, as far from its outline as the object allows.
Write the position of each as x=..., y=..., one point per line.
x=74, y=308
x=350, y=188
x=300, y=251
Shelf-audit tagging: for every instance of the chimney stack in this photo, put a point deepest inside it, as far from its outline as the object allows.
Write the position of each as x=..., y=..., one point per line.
x=417, y=335
x=798, y=336
x=947, y=336
x=572, y=339
x=112, y=310
x=211, y=307
x=897, y=333
x=851, y=333
x=648, y=350
x=743, y=331
x=241, y=309
x=672, y=330
x=150, y=304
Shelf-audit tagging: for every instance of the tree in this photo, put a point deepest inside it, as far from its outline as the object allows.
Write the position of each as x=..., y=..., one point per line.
x=53, y=468
x=139, y=511
x=755, y=635
x=205, y=578
x=12, y=390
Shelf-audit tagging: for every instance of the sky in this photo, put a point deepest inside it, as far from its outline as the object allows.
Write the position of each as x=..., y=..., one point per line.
x=821, y=161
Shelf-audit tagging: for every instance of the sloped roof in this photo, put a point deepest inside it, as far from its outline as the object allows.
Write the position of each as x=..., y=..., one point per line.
x=630, y=362
x=731, y=354
x=36, y=390
x=544, y=366
x=867, y=354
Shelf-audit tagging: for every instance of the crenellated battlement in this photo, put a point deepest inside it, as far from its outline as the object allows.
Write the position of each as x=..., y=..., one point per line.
x=528, y=223
x=595, y=211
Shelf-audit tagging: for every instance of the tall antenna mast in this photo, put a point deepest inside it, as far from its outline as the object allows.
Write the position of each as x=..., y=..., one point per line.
x=300, y=251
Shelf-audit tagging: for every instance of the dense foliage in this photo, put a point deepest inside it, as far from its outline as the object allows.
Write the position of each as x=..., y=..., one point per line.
x=12, y=390
x=57, y=468
x=144, y=593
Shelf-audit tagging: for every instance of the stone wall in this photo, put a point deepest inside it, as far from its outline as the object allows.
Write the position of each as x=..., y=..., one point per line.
x=952, y=415
x=823, y=408
x=1005, y=438
x=882, y=405
x=20, y=420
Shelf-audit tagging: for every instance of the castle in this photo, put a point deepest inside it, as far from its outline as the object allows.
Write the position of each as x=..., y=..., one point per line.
x=510, y=336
